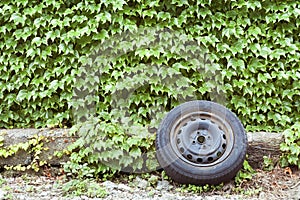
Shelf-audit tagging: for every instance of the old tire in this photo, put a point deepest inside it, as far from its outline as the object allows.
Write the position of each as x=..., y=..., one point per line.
x=201, y=142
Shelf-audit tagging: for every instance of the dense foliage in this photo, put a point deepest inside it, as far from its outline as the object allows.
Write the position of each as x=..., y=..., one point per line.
x=254, y=44
x=291, y=146
x=128, y=62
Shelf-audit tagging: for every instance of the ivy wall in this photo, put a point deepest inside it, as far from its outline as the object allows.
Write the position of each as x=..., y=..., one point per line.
x=148, y=56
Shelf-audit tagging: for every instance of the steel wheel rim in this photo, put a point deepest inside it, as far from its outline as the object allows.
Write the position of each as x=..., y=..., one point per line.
x=202, y=138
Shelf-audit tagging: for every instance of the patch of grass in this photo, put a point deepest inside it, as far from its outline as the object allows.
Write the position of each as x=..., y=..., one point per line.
x=189, y=188
x=248, y=191
x=87, y=187
x=8, y=195
x=2, y=181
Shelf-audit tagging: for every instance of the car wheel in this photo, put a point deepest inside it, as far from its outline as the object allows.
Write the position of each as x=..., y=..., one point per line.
x=201, y=142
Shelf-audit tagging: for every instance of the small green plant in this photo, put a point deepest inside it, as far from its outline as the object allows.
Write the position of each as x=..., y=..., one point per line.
x=290, y=147
x=9, y=196
x=248, y=191
x=164, y=176
x=7, y=192
x=199, y=189
x=153, y=179
x=129, y=177
x=88, y=187
x=246, y=173
x=30, y=189
x=151, y=193
x=2, y=181
x=25, y=178
x=268, y=163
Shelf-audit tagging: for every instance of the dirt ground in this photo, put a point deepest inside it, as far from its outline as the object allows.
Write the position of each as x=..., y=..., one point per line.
x=280, y=183
x=276, y=184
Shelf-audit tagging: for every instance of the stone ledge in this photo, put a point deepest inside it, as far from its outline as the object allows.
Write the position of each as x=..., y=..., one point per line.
x=263, y=144
x=58, y=139
x=260, y=144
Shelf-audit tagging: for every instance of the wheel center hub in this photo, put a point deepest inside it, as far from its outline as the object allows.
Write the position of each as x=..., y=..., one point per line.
x=201, y=141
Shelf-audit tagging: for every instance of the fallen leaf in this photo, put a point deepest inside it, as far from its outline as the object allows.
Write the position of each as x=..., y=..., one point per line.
x=288, y=170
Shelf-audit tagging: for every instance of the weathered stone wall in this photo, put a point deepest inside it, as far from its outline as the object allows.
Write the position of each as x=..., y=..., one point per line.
x=57, y=139
x=260, y=144
x=263, y=144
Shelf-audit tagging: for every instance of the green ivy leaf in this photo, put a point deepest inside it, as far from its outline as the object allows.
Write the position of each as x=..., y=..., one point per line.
x=135, y=152
x=236, y=64
x=18, y=18
x=22, y=95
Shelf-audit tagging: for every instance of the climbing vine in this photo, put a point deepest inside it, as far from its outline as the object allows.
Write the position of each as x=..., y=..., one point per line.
x=33, y=148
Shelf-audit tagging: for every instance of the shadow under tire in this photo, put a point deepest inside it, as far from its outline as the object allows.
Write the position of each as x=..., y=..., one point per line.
x=201, y=142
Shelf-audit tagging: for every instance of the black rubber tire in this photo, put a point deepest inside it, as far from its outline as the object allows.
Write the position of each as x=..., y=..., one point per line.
x=224, y=139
